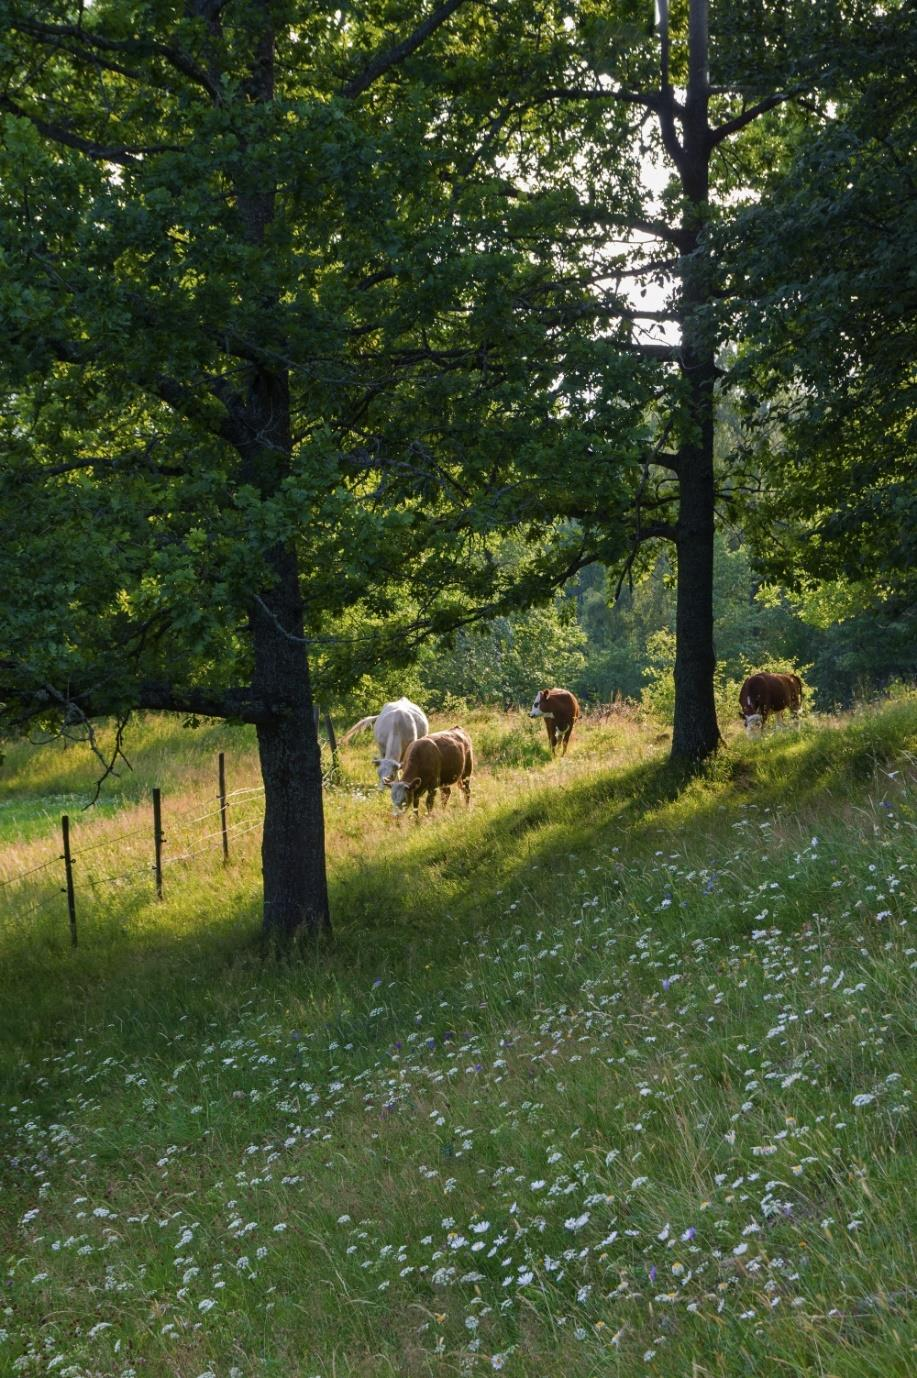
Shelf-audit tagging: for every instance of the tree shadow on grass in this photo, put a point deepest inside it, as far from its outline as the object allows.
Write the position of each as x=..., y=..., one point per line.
x=408, y=912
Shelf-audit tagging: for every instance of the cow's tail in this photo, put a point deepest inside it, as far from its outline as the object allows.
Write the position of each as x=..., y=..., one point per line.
x=358, y=727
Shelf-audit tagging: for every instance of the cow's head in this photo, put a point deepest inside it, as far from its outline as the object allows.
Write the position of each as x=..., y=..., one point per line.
x=402, y=792
x=537, y=711
x=388, y=769
x=754, y=724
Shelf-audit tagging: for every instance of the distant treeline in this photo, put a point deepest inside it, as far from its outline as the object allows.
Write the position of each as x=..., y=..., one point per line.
x=848, y=641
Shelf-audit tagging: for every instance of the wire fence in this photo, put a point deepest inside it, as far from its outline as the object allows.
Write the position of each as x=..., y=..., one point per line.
x=143, y=853
x=140, y=855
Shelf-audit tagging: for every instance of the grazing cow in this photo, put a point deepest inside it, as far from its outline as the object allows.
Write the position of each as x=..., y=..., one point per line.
x=764, y=695
x=395, y=726
x=434, y=763
x=560, y=711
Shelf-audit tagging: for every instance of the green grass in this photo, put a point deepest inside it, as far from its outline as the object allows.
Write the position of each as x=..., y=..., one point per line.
x=651, y=1033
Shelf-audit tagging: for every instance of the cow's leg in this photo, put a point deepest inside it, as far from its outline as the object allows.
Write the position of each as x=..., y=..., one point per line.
x=552, y=734
x=566, y=738
x=431, y=792
x=466, y=790
x=445, y=791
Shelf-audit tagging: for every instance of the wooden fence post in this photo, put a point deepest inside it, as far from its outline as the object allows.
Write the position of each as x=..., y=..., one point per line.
x=68, y=868
x=333, y=743
x=157, y=839
x=223, y=807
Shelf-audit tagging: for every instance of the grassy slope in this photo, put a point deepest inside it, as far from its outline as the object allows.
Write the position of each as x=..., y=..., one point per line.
x=643, y=1041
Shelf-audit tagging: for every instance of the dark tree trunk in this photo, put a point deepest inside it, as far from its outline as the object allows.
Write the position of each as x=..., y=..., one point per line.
x=695, y=733
x=293, y=850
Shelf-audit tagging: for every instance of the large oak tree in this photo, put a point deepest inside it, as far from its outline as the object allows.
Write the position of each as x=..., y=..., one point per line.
x=278, y=370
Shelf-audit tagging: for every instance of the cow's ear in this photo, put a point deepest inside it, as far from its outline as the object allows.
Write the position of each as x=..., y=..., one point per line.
x=387, y=784
x=377, y=760
x=412, y=784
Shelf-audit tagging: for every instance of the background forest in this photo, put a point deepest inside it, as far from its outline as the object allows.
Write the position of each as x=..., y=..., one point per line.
x=848, y=646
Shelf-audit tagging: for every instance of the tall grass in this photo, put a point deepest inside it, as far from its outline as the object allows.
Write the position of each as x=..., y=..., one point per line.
x=610, y=1074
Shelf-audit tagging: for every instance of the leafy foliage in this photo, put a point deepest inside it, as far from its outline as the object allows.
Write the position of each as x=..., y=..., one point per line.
x=830, y=322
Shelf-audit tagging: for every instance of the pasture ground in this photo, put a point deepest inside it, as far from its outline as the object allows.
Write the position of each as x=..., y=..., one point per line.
x=611, y=1075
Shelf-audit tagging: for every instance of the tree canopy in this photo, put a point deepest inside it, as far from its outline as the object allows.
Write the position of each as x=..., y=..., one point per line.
x=333, y=328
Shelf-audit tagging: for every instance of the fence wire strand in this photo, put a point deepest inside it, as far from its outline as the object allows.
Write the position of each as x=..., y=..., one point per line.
x=237, y=830
x=109, y=841
x=21, y=875
x=34, y=908
x=237, y=800
x=110, y=880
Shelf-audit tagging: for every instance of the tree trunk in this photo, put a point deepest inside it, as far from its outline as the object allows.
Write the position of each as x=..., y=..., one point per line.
x=293, y=849
x=695, y=734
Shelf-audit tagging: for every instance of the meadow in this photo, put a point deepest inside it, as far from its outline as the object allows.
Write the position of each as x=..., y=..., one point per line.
x=611, y=1074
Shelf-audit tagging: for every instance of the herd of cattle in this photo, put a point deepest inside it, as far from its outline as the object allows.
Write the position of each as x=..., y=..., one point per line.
x=430, y=761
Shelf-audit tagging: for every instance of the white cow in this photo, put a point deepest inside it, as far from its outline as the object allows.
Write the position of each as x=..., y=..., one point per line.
x=395, y=726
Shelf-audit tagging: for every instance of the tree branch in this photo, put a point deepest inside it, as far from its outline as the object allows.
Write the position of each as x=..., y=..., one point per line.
x=56, y=35
x=122, y=155
x=723, y=131
x=656, y=229
x=650, y=99
x=237, y=704
x=397, y=54
x=654, y=531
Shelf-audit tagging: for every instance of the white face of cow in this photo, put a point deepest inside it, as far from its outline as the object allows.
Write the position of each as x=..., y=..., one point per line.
x=754, y=723
x=388, y=769
x=401, y=794
x=536, y=707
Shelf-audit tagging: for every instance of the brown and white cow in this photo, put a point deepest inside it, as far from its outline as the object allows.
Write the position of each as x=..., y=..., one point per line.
x=432, y=763
x=768, y=695
x=560, y=711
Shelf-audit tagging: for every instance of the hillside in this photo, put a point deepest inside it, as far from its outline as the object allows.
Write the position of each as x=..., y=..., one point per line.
x=610, y=1075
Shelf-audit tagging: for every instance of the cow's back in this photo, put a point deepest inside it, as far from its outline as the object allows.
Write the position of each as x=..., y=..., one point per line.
x=408, y=716
x=455, y=753
x=794, y=684
x=423, y=761
x=770, y=693
x=399, y=723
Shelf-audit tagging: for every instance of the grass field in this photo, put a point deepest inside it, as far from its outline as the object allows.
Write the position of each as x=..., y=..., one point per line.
x=610, y=1075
